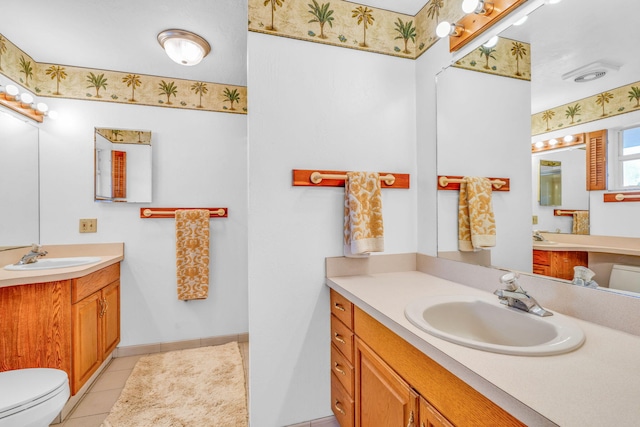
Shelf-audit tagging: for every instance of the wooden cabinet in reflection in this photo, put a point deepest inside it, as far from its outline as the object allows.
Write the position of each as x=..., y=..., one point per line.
x=558, y=263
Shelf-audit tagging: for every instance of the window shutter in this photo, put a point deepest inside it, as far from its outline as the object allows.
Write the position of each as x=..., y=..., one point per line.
x=597, y=160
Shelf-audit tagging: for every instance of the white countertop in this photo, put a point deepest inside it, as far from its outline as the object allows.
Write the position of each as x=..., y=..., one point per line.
x=595, y=385
x=589, y=243
x=109, y=253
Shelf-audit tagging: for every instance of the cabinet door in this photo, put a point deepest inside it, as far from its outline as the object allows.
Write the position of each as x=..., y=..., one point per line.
x=562, y=263
x=110, y=318
x=86, y=348
x=382, y=398
x=430, y=417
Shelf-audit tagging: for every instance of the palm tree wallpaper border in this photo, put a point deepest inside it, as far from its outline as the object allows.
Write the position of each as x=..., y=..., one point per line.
x=61, y=81
x=508, y=58
x=351, y=25
x=613, y=102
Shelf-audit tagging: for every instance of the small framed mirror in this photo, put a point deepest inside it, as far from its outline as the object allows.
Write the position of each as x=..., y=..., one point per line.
x=550, y=183
x=123, y=165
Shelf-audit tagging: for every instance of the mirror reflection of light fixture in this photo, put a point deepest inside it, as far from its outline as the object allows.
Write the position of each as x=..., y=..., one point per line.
x=479, y=7
x=553, y=142
x=184, y=47
x=568, y=138
x=491, y=42
x=445, y=29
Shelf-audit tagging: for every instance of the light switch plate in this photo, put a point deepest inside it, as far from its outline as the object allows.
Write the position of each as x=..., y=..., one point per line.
x=535, y=219
x=88, y=225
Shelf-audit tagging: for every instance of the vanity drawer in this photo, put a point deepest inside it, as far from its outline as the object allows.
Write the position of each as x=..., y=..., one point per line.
x=543, y=270
x=541, y=257
x=342, y=369
x=342, y=404
x=342, y=308
x=342, y=338
x=84, y=286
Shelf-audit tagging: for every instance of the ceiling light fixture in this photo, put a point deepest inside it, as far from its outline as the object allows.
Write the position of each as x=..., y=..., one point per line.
x=479, y=7
x=445, y=29
x=184, y=47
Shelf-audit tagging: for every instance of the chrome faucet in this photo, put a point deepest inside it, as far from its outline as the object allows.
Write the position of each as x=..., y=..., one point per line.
x=537, y=236
x=33, y=255
x=514, y=296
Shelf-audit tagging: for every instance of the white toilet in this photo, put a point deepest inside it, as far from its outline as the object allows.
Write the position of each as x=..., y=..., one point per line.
x=32, y=397
x=625, y=278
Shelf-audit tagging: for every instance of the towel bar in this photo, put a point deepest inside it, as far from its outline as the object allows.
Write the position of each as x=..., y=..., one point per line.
x=564, y=212
x=498, y=184
x=320, y=178
x=171, y=212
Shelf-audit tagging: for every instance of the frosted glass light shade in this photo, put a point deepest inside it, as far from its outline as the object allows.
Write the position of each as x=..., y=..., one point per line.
x=184, y=47
x=470, y=6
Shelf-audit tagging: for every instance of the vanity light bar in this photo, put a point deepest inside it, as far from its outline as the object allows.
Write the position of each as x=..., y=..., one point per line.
x=24, y=103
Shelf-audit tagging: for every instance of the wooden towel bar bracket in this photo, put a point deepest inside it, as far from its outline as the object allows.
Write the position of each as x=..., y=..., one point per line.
x=324, y=178
x=171, y=212
x=565, y=212
x=446, y=182
x=622, y=197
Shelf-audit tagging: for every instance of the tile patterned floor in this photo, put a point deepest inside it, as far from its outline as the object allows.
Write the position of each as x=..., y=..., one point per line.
x=95, y=405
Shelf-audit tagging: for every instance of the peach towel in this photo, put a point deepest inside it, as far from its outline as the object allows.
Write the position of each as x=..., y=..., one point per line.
x=363, y=227
x=476, y=222
x=192, y=253
x=581, y=222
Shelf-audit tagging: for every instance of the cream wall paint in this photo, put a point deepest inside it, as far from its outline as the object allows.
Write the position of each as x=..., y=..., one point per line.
x=314, y=106
x=199, y=161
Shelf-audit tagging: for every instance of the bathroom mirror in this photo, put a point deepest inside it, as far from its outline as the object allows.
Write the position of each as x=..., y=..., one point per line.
x=550, y=183
x=19, y=183
x=562, y=37
x=123, y=165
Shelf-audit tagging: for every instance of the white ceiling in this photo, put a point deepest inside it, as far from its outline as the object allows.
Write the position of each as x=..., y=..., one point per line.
x=116, y=34
x=120, y=35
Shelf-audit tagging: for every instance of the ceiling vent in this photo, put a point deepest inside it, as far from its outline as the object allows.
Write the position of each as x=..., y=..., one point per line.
x=590, y=72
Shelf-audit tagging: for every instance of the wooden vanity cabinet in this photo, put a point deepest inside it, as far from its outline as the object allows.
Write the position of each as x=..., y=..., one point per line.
x=71, y=325
x=95, y=323
x=397, y=384
x=558, y=263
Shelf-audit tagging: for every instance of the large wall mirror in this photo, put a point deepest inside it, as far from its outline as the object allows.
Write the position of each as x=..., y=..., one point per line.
x=479, y=127
x=19, y=183
x=123, y=161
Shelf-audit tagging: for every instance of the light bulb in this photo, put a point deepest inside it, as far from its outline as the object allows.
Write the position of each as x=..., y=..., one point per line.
x=11, y=90
x=568, y=138
x=42, y=107
x=553, y=142
x=26, y=98
x=491, y=42
x=539, y=144
x=470, y=6
x=445, y=29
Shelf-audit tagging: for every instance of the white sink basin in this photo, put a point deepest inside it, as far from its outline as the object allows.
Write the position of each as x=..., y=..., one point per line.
x=485, y=324
x=51, y=263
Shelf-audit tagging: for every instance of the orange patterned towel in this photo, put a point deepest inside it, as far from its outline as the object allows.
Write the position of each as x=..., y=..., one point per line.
x=192, y=253
x=581, y=222
x=363, y=228
x=476, y=223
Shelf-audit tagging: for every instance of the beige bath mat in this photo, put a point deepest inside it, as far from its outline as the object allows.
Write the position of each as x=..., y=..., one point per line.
x=196, y=387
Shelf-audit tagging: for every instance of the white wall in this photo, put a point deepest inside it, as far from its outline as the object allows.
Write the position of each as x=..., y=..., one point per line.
x=574, y=191
x=314, y=106
x=199, y=160
x=484, y=130
x=606, y=219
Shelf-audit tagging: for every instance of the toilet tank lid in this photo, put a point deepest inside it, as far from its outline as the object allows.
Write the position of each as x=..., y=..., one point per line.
x=24, y=387
x=626, y=267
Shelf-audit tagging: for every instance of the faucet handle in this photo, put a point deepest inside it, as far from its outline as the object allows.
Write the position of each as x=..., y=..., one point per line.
x=510, y=281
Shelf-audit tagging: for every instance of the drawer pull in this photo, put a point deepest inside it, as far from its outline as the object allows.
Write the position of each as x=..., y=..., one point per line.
x=339, y=307
x=339, y=338
x=337, y=368
x=339, y=409
x=411, y=420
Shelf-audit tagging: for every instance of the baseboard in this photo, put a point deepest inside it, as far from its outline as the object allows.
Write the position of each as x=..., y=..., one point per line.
x=137, y=350
x=320, y=422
